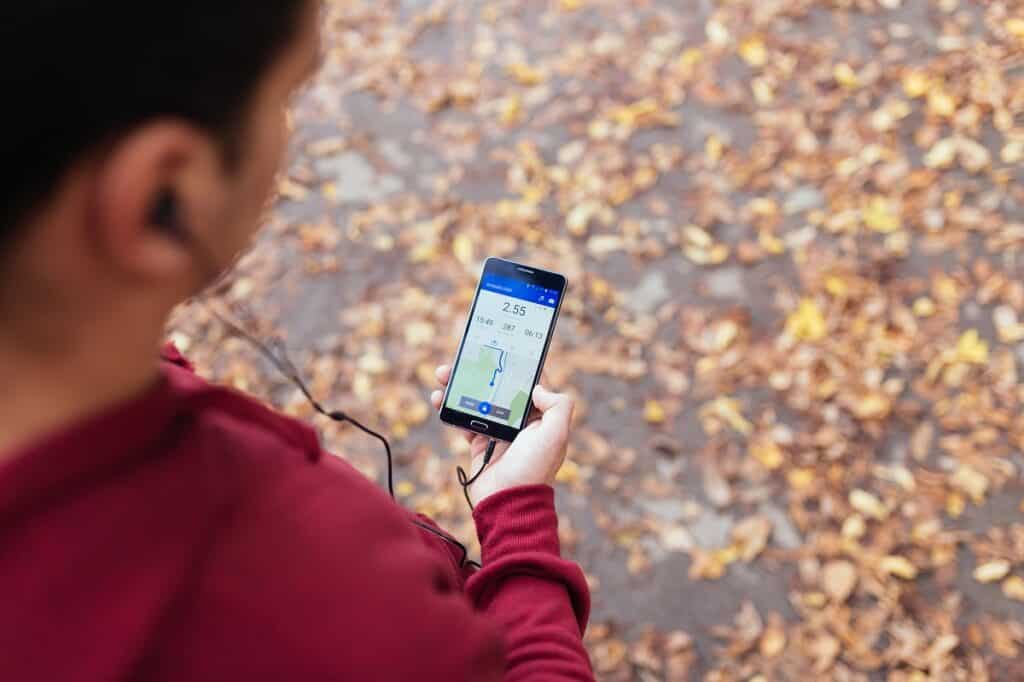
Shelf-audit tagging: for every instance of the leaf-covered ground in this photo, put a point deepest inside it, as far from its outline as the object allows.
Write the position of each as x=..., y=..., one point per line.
x=793, y=232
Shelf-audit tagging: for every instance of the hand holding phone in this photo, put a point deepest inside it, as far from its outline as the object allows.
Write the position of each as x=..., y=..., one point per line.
x=503, y=349
x=492, y=390
x=534, y=457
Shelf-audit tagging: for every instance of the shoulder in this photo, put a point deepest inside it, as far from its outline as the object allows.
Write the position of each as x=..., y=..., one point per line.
x=262, y=457
x=312, y=558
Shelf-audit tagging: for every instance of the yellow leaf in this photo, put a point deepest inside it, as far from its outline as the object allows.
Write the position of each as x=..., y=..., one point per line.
x=569, y=473
x=419, y=333
x=854, y=527
x=654, y=413
x=971, y=348
x=837, y=286
x=771, y=244
x=846, y=76
x=992, y=571
x=773, y=641
x=898, y=566
x=970, y=481
x=570, y=5
x=689, y=59
x=955, y=504
x=767, y=453
x=697, y=236
x=728, y=410
x=511, y=110
x=800, y=479
x=868, y=505
x=941, y=103
x=807, y=323
x=753, y=52
x=578, y=219
x=873, y=406
x=404, y=488
x=1012, y=152
x=1013, y=588
x=916, y=84
x=763, y=92
x=750, y=537
x=463, y=250
x=924, y=307
x=633, y=114
x=706, y=566
x=526, y=74
x=942, y=154
x=713, y=149
x=1015, y=27
x=880, y=215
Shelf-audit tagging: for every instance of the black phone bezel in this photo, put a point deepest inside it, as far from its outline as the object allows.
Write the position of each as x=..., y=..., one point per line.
x=524, y=273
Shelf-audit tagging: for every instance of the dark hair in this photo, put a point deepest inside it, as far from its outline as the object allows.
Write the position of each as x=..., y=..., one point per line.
x=78, y=73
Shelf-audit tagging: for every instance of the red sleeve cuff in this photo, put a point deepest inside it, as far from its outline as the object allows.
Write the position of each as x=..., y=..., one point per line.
x=171, y=354
x=517, y=520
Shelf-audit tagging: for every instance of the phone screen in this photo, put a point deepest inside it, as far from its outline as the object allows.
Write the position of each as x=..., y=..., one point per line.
x=504, y=347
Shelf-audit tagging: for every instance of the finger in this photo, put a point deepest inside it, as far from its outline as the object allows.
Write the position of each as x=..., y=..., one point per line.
x=443, y=374
x=534, y=415
x=436, y=398
x=479, y=446
x=548, y=401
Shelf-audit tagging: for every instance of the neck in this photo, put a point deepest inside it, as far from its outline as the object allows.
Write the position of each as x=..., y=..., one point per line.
x=67, y=368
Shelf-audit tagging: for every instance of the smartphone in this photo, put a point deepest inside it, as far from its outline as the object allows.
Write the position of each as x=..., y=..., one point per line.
x=503, y=349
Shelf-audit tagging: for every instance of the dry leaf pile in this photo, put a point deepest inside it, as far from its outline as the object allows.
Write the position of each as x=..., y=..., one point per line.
x=796, y=322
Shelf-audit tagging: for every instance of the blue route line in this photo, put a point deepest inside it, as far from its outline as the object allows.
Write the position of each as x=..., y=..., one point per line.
x=501, y=363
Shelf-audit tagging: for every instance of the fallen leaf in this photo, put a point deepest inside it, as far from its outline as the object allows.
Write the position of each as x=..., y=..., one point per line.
x=838, y=578
x=807, y=323
x=463, y=249
x=868, y=505
x=526, y=74
x=753, y=51
x=972, y=348
x=750, y=537
x=846, y=76
x=898, y=566
x=880, y=214
x=873, y=406
x=1013, y=588
x=992, y=571
x=654, y=413
x=767, y=453
x=773, y=640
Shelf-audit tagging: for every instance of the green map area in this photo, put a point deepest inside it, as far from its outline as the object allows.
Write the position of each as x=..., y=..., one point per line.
x=473, y=379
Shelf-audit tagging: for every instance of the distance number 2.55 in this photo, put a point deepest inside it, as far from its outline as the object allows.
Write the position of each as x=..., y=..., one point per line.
x=515, y=309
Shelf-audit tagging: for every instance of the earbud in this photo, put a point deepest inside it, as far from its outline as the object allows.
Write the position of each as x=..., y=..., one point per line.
x=165, y=217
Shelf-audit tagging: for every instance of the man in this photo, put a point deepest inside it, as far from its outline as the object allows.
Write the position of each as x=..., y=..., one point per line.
x=155, y=527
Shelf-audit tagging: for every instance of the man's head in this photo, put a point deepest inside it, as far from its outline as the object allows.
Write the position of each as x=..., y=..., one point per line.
x=131, y=124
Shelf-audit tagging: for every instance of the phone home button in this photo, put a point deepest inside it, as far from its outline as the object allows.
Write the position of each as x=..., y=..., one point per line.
x=479, y=426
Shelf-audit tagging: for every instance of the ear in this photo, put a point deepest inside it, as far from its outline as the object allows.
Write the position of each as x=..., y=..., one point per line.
x=160, y=159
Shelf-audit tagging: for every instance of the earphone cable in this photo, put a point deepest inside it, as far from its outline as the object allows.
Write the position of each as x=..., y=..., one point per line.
x=283, y=364
x=464, y=479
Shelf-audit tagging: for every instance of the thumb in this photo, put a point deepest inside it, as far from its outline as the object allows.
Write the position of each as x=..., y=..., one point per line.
x=553, y=404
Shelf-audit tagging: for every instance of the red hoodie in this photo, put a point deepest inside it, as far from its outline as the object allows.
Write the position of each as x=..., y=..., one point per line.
x=193, y=534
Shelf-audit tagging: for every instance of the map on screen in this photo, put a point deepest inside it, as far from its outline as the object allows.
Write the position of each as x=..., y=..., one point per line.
x=503, y=349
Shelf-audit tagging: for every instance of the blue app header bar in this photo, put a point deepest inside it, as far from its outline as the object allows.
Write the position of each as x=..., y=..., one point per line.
x=521, y=290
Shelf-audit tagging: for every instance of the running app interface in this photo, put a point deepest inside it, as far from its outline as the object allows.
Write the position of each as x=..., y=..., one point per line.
x=502, y=350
